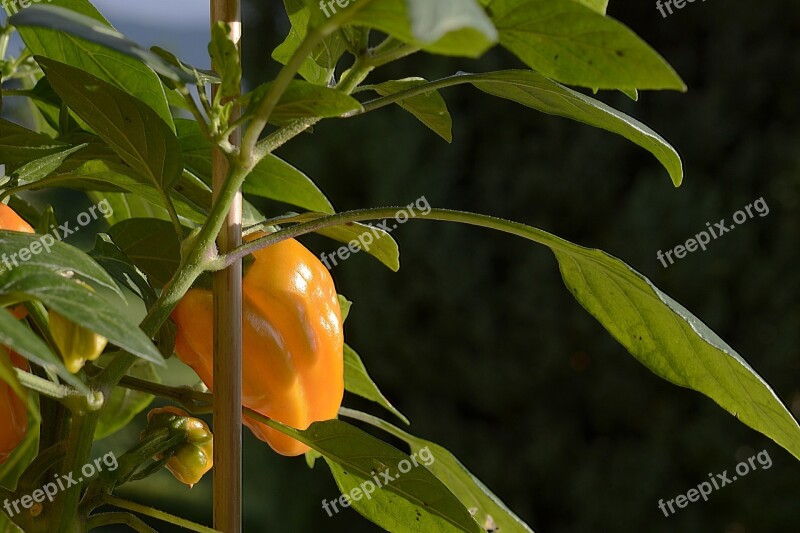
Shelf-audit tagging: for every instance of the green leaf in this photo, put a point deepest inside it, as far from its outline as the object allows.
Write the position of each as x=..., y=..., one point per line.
x=19, y=145
x=124, y=404
x=110, y=257
x=127, y=206
x=659, y=332
x=151, y=245
x=431, y=21
x=415, y=501
x=128, y=126
x=16, y=335
x=358, y=381
x=446, y=27
x=94, y=31
x=345, y=306
x=597, y=5
x=535, y=91
x=111, y=66
x=19, y=250
x=80, y=304
x=44, y=166
x=320, y=66
x=272, y=178
x=569, y=42
x=226, y=59
x=485, y=506
x=430, y=108
x=303, y=100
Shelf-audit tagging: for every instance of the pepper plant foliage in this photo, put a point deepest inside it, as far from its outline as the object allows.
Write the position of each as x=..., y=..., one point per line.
x=110, y=120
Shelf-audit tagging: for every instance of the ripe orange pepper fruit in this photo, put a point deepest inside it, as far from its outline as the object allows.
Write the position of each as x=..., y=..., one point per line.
x=293, y=341
x=13, y=410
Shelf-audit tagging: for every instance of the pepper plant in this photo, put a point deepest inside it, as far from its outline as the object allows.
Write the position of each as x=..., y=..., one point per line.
x=142, y=132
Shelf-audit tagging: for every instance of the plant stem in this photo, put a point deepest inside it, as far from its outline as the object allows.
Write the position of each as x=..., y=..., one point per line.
x=107, y=519
x=46, y=387
x=155, y=513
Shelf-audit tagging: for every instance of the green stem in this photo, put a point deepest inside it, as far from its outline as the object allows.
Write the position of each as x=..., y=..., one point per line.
x=46, y=387
x=79, y=446
x=107, y=519
x=155, y=513
x=474, y=219
x=451, y=81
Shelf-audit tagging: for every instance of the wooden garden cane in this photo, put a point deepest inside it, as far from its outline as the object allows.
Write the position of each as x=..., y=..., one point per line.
x=228, y=331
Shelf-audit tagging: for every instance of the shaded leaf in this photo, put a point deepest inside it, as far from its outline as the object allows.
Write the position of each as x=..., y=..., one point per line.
x=151, y=245
x=430, y=108
x=127, y=125
x=473, y=494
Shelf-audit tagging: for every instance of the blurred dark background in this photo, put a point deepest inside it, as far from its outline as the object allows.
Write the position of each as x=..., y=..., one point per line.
x=476, y=338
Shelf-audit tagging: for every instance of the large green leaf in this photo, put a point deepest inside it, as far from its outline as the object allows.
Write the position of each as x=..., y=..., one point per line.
x=128, y=126
x=415, y=497
x=430, y=108
x=80, y=304
x=489, y=510
x=272, y=178
x=537, y=92
x=358, y=381
x=24, y=249
x=95, y=31
x=572, y=43
x=111, y=66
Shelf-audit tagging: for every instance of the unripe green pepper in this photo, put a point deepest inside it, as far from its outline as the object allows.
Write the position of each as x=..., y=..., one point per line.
x=192, y=459
x=76, y=343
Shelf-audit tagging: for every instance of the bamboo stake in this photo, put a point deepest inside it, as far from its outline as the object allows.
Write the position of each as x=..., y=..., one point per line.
x=228, y=333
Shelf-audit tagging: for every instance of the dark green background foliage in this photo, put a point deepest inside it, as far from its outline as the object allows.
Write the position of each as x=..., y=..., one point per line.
x=478, y=342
